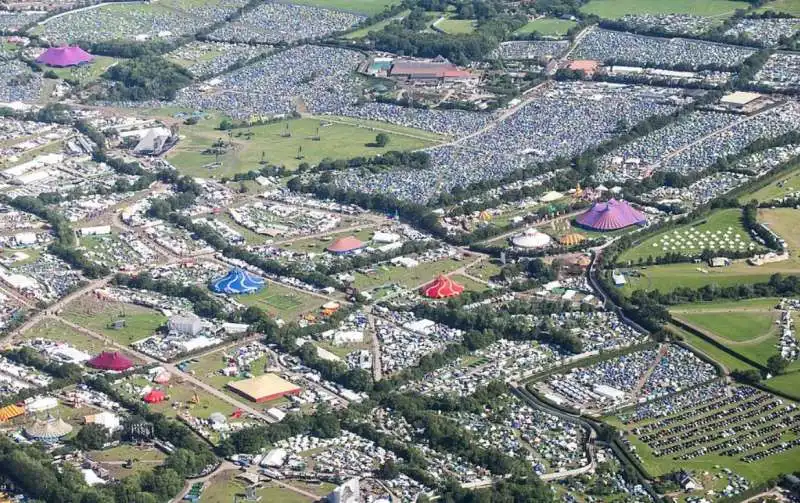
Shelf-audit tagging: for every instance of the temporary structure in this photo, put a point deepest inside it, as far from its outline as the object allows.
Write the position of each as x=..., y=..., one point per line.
x=155, y=396
x=611, y=215
x=64, y=56
x=442, y=287
x=108, y=360
x=237, y=281
x=345, y=245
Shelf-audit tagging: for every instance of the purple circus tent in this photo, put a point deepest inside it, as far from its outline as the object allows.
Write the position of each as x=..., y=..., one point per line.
x=64, y=56
x=611, y=216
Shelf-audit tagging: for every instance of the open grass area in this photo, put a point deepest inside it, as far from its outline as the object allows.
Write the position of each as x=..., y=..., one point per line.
x=735, y=326
x=337, y=141
x=367, y=7
x=788, y=6
x=614, y=9
x=728, y=361
x=224, y=488
x=764, y=303
x=363, y=32
x=123, y=452
x=408, y=277
x=97, y=315
x=318, y=245
x=692, y=238
x=84, y=73
x=548, y=26
x=777, y=186
x=788, y=383
x=457, y=26
x=56, y=330
x=181, y=396
x=32, y=256
x=281, y=301
x=485, y=269
x=783, y=221
x=470, y=285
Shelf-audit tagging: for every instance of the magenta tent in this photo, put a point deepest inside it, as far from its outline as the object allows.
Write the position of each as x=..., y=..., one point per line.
x=611, y=215
x=64, y=56
x=110, y=361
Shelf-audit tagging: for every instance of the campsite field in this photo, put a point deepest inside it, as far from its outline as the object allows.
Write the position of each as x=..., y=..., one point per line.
x=614, y=9
x=97, y=315
x=337, y=141
x=366, y=7
x=777, y=186
x=716, y=225
x=548, y=26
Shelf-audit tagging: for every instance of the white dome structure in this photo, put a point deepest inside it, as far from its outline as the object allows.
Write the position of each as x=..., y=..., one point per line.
x=531, y=238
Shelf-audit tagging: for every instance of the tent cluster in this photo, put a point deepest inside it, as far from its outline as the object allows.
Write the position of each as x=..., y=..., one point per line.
x=237, y=281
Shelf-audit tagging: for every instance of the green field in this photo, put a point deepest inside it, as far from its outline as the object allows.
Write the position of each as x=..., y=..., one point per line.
x=56, y=330
x=614, y=9
x=778, y=186
x=485, y=269
x=548, y=26
x=728, y=361
x=469, y=284
x=783, y=221
x=337, y=141
x=224, y=487
x=367, y=7
x=407, y=277
x=282, y=302
x=457, y=26
x=363, y=32
x=788, y=6
x=318, y=245
x=140, y=322
x=180, y=396
x=734, y=326
x=718, y=221
x=84, y=73
x=788, y=383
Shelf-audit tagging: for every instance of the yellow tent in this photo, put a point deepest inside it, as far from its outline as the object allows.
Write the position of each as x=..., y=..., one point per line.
x=10, y=412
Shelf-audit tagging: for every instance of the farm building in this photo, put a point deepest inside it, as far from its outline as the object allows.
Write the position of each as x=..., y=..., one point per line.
x=264, y=388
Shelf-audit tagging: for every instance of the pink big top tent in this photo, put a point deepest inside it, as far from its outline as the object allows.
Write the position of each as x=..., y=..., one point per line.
x=610, y=216
x=64, y=56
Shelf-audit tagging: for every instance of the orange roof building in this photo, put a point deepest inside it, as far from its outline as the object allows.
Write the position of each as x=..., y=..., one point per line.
x=588, y=66
x=442, y=288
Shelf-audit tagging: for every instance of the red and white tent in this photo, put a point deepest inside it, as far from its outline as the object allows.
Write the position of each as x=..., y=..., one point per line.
x=441, y=288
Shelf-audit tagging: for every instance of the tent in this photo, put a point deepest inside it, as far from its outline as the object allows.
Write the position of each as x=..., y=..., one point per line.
x=108, y=360
x=47, y=430
x=572, y=239
x=155, y=396
x=237, y=281
x=345, y=245
x=611, y=215
x=442, y=287
x=10, y=412
x=64, y=56
x=531, y=238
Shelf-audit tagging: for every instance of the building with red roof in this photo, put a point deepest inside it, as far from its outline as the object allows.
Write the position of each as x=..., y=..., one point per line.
x=439, y=70
x=155, y=396
x=64, y=56
x=345, y=245
x=441, y=288
x=610, y=216
x=108, y=360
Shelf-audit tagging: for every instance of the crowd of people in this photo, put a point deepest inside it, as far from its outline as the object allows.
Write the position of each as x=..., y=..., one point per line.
x=204, y=59
x=165, y=19
x=569, y=118
x=272, y=23
x=626, y=48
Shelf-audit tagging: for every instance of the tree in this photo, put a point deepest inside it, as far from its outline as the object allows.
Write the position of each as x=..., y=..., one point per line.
x=382, y=139
x=776, y=364
x=225, y=124
x=92, y=437
x=388, y=470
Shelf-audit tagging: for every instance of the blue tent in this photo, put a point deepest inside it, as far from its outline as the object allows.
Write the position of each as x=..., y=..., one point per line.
x=237, y=281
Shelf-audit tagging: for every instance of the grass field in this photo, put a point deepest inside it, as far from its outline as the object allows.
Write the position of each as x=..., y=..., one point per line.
x=282, y=302
x=32, y=253
x=763, y=303
x=180, y=396
x=783, y=221
x=407, y=277
x=729, y=361
x=470, y=285
x=548, y=26
x=736, y=326
x=457, y=26
x=788, y=383
x=96, y=315
x=718, y=221
x=84, y=73
x=337, y=141
x=788, y=6
x=614, y=9
x=778, y=186
x=484, y=269
x=318, y=245
x=363, y=32
x=224, y=487
x=56, y=330
x=367, y=7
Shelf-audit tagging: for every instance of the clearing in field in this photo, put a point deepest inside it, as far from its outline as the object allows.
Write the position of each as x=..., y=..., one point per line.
x=144, y=459
x=268, y=143
x=777, y=187
x=366, y=7
x=788, y=6
x=727, y=360
x=722, y=230
x=614, y=9
x=56, y=330
x=182, y=397
x=412, y=277
x=783, y=221
x=282, y=302
x=84, y=74
x=456, y=26
x=733, y=326
x=98, y=315
x=318, y=245
x=548, y=26
x=225, y=487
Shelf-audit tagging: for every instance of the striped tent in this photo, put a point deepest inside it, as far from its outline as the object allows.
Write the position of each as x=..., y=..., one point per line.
x=10, y=412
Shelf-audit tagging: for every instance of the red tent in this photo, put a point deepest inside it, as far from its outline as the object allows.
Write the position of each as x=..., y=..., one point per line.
x=155, y=396
x=442, y=287
x=108, y=360
x=345, y=245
